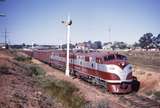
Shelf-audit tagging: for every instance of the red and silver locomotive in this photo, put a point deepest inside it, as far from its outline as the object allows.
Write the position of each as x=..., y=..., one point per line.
x=110, y=70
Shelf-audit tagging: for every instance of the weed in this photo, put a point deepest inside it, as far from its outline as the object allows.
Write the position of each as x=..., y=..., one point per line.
x=102, y=104
x=141, y=73
x=157, y=95
x=149, y=93
x=34, y=70
x=99, y=104
x=66, y=93
x=23, y=58
x=4, y=70
x=149, y=74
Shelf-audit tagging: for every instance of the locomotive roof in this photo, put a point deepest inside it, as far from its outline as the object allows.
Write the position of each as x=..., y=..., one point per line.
x=96, y=54
x=90, y=54
x=40, y=50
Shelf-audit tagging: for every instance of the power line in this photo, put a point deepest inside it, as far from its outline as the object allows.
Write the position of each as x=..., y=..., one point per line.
x=109, y=34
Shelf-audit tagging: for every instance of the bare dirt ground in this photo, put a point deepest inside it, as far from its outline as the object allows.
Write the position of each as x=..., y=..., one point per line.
x=150, y=80
x=146, y=69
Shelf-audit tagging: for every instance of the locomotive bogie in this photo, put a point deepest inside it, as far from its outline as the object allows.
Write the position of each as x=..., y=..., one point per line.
x=119, y=87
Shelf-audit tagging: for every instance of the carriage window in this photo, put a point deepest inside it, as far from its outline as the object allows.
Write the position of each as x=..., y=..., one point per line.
x=109, y=57
x=74, y=57
x=121, y=57
x=98, y=60
x=86, y=58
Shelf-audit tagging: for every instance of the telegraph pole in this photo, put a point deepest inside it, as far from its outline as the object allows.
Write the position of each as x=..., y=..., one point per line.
x=5, y=38
x=68, y=25
x=5, y=33
x=109, y=34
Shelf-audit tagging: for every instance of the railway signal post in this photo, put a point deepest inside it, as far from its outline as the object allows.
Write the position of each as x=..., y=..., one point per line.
x=68, y=24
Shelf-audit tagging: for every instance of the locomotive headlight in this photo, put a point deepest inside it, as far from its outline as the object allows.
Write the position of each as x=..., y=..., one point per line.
x=123, y=63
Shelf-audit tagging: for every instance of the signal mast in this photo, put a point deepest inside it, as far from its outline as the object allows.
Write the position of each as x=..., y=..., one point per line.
x=68, y=24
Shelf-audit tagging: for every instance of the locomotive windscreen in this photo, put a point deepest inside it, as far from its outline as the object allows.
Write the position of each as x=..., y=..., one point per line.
x=113, y=57
x=109, y=57
x=121, y=57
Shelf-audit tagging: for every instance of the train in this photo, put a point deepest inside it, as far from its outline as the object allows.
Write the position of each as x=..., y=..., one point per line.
x=110, y=70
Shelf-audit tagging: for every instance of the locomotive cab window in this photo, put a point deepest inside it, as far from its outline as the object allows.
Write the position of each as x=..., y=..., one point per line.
x=121, y=57
x=109, y=57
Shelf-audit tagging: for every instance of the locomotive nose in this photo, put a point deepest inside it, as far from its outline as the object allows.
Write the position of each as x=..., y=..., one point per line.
x=122, y=64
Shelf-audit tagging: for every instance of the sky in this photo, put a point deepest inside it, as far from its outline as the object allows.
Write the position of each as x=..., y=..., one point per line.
x=39, y=21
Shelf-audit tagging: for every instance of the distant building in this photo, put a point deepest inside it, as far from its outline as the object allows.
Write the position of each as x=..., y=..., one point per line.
x=97, y=45
x=89, y=45
x=107, y=46
x=83, y=46
x=2, y=45
x=64, y=46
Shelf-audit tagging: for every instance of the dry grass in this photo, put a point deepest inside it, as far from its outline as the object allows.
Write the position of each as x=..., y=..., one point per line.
x=23, y=58
x=144, y=59
x=65, y=92
x=157, y=95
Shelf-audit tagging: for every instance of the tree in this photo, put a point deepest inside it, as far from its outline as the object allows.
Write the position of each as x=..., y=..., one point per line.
x=98, y=44
x=71, y=46
x=135, y=45
x=119, y=45
x=122, y=45
x=113, y=47
x=23, y=44
x=157, y=41
x=146, y=41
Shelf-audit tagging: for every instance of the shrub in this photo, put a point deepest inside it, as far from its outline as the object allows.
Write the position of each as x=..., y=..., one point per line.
x=102, y=104
x=4, y=69
x=35, y=70
x=157, y=95
x=23, y=58
x=148, y=93
x=66, y=93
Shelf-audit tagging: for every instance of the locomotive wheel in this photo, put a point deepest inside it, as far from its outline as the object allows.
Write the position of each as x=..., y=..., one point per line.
x=93, y=81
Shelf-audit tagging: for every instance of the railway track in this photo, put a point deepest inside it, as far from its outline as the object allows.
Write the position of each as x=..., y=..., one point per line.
x=135, y=101
x=131, y=100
